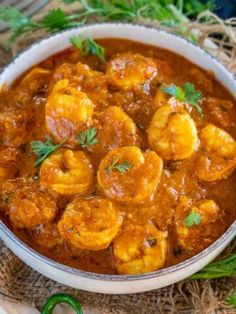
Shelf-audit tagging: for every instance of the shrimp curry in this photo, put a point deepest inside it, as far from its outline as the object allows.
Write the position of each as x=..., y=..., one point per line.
x=117, y=165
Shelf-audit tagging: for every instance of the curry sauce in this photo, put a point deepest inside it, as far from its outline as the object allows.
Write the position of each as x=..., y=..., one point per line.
x=135, y=176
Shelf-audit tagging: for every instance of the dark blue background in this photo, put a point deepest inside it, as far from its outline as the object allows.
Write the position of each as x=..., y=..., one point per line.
x=225, y=8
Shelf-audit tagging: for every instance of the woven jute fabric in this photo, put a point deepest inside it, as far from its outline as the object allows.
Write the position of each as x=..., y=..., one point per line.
x=20, y=282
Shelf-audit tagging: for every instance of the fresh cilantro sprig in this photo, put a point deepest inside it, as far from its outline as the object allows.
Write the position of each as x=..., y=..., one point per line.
x=221, y=268
x=188, y=95
x=231, y=299
x=192, y=96
x=193, y=218
x=54, y=20
x=18, y=23
x=43, y=149
x=194, y=7
x=168, y=12
x=57, y=19
x=175, y=91
x=163, y=10
x=88, y=138
x=88, y=46
x=121, y=167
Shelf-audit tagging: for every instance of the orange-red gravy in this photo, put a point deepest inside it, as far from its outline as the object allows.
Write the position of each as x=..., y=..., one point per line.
x=27, y=110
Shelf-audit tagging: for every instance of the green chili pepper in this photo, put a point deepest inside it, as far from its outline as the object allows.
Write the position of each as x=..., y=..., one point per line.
x=61, y=298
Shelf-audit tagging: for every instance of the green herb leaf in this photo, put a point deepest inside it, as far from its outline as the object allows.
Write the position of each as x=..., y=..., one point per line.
x=194, y=7
x=43, y=150
x=231, y=300
x=193, y=96
x=70, y=1
x=88, y=46
x=88, y=138
x=189, y=95
x=121, y=167
x=193, y=218
x=152, y=242
x=55, y=20
x=175, y=91
x=169, y=12
x=218, y=269
x=18, y=23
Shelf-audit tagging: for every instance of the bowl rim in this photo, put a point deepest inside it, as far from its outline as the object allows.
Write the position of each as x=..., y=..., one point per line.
x=111, y=277
x=132, y=24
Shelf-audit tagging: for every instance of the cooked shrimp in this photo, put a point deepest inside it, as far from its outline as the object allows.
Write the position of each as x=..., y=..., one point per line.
x=16, y=126
x=75, y=73
x=9, y=157
x=222, y=112
x=217, y=159
x=90, y=224
x=128, y=175
x=196, y=224
x=83, y=78
x=160, y=99
x=115, y=129
x=34, y=76
x=47, y=236
x=177, y=179
x=29, y=207
x=122, y=70
x=25, y=94
x=63, y=71
x=172, y=134
x=67, y=172
x=22, y=107
x=34, y=81
x=67, y=111
x=140, y=249
x=66, y=71
x=95, y=85
x=84, y=71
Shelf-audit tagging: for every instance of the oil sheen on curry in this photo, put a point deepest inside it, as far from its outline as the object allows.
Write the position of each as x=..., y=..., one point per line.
x=122, y=166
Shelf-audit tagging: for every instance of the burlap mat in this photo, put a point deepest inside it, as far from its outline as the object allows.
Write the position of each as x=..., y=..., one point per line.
x=19, y=282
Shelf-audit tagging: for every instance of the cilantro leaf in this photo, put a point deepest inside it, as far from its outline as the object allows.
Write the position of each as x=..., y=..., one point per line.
x=88, y=46
x=57, y=19
x=189, y=95
x=175, y=91
x=231, y=300
x=121, y=167
x=169, y=12
x=43, y=150
x=88, y=138
x=193, y=218
x=217, y=269
x=194, y=7
x=77, y=41
x=193, y=96
x=18, y=23
x=69, y=1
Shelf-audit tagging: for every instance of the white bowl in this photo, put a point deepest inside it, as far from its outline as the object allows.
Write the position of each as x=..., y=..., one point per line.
x=115, y=284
